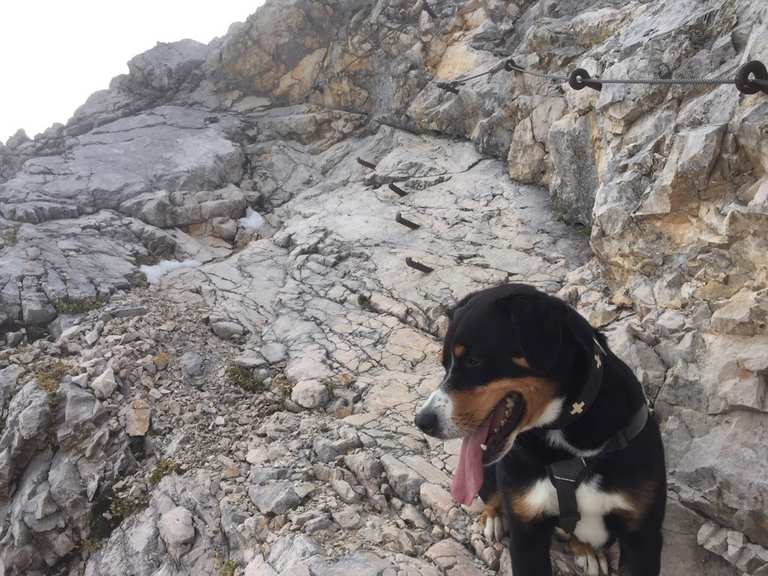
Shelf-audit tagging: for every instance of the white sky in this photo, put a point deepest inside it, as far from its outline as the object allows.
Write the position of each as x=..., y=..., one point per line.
x=56, y=53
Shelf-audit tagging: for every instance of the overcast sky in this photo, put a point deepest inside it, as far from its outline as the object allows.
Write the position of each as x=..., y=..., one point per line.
x=56, y=53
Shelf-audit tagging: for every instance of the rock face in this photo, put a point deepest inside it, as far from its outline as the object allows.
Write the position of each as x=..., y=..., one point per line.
x=252, y=412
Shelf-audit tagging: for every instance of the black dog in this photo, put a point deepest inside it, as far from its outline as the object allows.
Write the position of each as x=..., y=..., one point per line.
x=556, y=429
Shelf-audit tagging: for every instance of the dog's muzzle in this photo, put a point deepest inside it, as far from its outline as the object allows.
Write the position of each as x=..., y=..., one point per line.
x=435, y=417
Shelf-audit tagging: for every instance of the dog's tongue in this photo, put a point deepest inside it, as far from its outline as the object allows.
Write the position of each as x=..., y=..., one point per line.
x=468, y=477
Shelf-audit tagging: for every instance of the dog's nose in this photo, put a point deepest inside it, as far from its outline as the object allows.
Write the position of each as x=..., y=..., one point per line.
x=426, y=420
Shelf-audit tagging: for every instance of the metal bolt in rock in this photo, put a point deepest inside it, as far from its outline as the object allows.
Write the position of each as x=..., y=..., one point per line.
x=410, y=262
x=400, y=219
x=397, y=190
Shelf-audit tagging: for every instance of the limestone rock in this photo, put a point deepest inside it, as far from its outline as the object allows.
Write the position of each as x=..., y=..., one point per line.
x=274, y=498
x=258, y=567
x=733, y=547
x=24, y=433
x=177, y=530
x=453, y=558
x=166, y=524
x=292, y=551
x=274, y=352
x=227, y=330
x=405, y=481
x=192, y=366
x=168, y=66
x=105, y=384
x=575, y=178
x=681, y=552
x=643, y=360
x=242, y=157
x=438, y=499
x=526, y=155
x=310, y=394
x=9, y=378
x=742, y=314
x=137, y=417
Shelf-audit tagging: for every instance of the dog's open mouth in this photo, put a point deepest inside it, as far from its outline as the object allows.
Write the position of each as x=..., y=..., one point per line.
x=484, y=446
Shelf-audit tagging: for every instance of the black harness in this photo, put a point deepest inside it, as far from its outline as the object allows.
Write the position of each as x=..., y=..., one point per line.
x=567, y=475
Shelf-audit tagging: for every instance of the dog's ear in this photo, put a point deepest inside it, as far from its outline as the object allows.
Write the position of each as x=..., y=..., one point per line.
x=539, y=320
x=582, y=332
x=451, y=311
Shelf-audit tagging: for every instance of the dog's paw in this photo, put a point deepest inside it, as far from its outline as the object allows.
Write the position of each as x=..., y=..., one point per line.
x=492, y=523
x=493, y=528
x=592, y=561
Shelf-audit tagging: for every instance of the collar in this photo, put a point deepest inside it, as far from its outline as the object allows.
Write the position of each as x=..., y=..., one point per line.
x=578, y=406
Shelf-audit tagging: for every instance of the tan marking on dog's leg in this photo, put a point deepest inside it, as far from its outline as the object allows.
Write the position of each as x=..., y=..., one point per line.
x=522, y=508
x=640, y=499
x=459, y=350
x=593, y=561
x=492, y=519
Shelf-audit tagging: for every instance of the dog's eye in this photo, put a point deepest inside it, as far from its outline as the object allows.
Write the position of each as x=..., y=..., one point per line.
x=472, y=361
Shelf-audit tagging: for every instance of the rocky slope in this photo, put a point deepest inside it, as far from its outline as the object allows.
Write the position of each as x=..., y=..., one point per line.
x=213, y=342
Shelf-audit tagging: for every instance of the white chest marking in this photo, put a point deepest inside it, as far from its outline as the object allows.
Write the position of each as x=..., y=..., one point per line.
x=593, y=504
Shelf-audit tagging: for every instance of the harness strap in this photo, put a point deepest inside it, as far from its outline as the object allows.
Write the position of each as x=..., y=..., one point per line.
x=567, y=475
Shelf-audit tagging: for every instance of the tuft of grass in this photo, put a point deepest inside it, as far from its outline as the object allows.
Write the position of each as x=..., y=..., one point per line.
x=48, y=378
x=79, y=305
x=164, y=467
x=92, y=545
x=330, y=385
x=122, y=507
x=106, y=514
x=244, y=378
x=146, y=260
x=228, y=568
x=281, y=384
x=342, y=380
x=9, y=236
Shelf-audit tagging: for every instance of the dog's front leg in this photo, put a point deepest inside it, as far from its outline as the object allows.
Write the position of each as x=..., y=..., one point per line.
x=492, y=519
x=641, y=553
x=529, y=549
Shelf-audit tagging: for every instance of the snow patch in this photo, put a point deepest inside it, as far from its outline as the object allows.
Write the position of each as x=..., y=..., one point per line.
x=253, y=221
x=157, y=271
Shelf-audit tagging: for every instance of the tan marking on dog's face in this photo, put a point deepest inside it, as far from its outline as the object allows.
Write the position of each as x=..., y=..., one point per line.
x=471, y=407
x=520, y=361
x=459, y=350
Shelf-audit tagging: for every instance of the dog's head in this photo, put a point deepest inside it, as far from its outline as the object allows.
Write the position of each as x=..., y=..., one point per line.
x=513, y=357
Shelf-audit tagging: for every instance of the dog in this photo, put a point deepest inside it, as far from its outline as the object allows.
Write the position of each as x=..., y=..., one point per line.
x=556, y=430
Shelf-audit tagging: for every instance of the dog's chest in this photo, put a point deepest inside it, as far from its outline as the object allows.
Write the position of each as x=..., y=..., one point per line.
x=593, y=503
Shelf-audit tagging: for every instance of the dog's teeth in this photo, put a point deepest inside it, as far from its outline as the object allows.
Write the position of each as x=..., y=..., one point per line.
x=483, y=447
